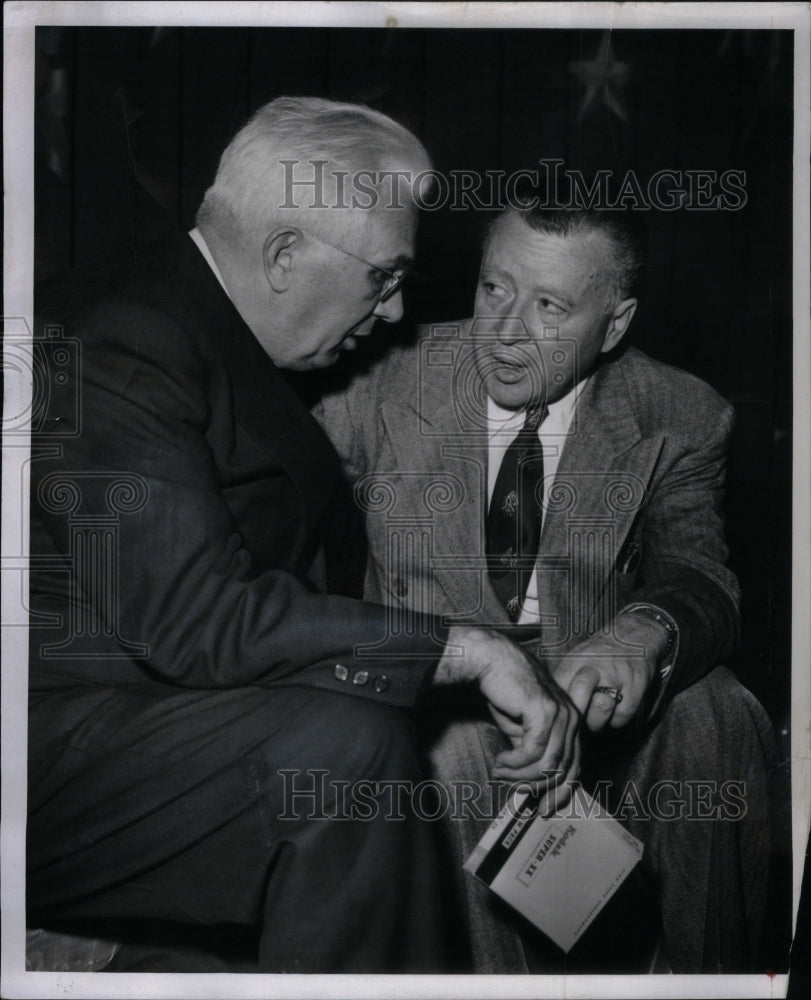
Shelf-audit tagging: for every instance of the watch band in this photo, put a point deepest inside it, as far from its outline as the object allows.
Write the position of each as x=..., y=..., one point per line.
x=667, y=655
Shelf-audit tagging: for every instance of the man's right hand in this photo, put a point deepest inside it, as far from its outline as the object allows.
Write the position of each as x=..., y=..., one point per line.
x=539, y=718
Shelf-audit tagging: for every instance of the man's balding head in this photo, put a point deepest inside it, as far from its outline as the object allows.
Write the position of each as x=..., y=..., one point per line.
x=308, y=264
x=298, y=160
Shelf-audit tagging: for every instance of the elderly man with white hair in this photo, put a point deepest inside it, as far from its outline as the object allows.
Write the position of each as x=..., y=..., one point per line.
x=198, y=700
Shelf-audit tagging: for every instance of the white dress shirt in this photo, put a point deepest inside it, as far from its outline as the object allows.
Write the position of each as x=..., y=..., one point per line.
x=202, y=246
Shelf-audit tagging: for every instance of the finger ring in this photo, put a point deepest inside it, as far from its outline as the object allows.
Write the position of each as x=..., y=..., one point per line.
x=615, y=693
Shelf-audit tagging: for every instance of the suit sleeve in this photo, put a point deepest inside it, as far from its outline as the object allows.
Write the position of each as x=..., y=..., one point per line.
x=186, y=586
x=684, y=555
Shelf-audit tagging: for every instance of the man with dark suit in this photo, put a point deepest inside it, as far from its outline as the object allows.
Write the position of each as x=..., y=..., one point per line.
x=601, y=547
x=196, y=697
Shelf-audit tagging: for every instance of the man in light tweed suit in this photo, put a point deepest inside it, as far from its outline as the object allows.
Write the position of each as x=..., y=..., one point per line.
x=627, y=586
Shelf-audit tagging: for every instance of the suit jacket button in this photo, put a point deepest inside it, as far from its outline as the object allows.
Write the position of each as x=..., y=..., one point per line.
x=341, y=673
x=381, y=683
x=360, y=677
x=400, y=587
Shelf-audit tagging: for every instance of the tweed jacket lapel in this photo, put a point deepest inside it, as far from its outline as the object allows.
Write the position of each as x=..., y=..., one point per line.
x=599, y=489
x=603, y=429
x=443, y=439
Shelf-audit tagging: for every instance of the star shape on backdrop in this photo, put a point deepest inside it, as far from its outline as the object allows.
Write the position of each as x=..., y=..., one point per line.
x=604, y=78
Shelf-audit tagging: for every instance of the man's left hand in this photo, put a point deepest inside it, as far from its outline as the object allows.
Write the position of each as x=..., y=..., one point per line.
x=625, y=662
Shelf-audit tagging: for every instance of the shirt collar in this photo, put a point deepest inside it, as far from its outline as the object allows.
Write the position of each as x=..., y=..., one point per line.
x=202, y=246
x=499, y=419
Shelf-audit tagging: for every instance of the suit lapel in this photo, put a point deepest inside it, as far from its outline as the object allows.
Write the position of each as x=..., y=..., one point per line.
x=602, y=431
x=265, y=405
x=429, y=431
x=599, y=487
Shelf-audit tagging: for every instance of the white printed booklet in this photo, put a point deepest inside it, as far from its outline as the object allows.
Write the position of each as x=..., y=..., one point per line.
x=558, y=872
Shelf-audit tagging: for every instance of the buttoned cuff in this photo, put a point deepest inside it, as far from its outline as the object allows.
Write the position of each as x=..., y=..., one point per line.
x=396, y=670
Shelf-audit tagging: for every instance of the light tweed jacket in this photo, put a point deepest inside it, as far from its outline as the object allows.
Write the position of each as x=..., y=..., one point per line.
x=634, y=514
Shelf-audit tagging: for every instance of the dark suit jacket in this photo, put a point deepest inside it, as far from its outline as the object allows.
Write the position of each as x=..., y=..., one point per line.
x=634, y=513
x=175, y=530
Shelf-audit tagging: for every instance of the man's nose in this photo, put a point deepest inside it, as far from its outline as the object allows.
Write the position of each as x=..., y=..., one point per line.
x=391, y=310
x=511, y=328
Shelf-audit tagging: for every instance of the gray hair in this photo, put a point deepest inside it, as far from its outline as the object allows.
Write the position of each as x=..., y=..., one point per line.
x=265, y=173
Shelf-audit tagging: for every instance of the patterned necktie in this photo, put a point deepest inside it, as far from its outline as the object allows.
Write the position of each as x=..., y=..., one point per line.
x=513, y=529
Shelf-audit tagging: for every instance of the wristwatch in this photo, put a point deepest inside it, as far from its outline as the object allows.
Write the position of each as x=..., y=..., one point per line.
x=668, y=655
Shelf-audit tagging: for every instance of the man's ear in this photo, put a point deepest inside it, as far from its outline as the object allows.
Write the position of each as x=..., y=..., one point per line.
x=278, y=256
x=618, y=324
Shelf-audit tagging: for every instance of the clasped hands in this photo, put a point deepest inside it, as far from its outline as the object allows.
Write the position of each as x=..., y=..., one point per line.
x=540, y=710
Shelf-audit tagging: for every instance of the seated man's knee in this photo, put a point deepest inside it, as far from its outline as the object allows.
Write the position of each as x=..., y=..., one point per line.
x=352, y=737
x=719, y=709
x=714, y=730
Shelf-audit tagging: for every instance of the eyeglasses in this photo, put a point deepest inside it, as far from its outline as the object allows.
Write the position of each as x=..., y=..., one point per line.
x=389, y=285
